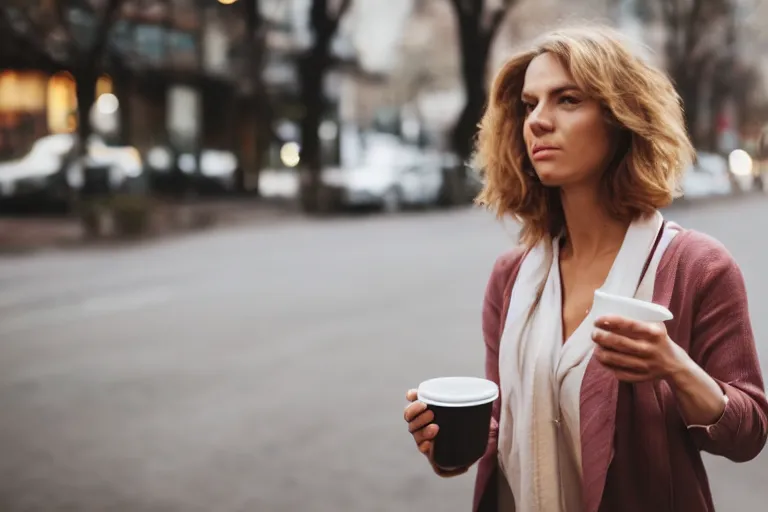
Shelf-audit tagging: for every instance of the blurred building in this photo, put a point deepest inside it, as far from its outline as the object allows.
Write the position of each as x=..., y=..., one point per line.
x=155, y=48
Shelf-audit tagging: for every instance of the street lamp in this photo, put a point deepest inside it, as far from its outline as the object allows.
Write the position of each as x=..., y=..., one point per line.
x=227, y=2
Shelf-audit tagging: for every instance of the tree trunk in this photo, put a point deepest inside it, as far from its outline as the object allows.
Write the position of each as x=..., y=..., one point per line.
x=85, y=90
x=720, y=93
x=252, y=148
x=313, y=67
x=475, y=50
x=476, y=97
x=688, y=87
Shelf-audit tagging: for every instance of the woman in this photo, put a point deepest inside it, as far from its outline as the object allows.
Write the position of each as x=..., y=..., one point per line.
x=583, y=143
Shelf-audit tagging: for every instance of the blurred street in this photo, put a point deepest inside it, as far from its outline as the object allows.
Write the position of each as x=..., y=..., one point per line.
x=263, y=368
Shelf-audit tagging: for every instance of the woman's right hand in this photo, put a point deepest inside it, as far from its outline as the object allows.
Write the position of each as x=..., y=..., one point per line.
x=420, y=425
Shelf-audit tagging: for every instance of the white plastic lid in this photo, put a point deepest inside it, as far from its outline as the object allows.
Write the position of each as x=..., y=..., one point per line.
x=644, y=311
x=457, y=391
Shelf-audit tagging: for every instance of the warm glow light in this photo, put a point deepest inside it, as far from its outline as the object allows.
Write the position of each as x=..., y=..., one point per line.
x=289, y=154
x=22, y=91
x=62, y=103
x=107, y=104
x=227, y=2
x=104, y=85
x=740, y=163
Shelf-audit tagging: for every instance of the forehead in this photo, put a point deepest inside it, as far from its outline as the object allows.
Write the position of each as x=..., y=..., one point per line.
x=545, y=73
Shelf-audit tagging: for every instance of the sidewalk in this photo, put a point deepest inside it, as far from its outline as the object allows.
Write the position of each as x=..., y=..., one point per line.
x=24, y=234
x=684, y=202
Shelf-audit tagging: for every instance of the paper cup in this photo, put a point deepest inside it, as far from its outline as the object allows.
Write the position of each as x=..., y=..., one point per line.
x=462, y=408
x=636, y=309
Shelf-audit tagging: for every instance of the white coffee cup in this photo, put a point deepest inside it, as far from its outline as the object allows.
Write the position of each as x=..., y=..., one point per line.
x=643, y=311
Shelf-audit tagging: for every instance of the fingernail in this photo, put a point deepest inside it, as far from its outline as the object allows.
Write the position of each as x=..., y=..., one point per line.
x=595, y=334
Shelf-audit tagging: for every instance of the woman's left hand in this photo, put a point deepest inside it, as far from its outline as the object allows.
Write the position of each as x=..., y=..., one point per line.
x=636, y=351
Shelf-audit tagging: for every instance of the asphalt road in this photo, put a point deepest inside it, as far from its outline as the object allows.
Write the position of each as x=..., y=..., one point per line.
x=263, y=369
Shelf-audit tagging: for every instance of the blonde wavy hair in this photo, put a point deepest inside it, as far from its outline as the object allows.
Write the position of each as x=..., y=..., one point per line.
x=638, y=100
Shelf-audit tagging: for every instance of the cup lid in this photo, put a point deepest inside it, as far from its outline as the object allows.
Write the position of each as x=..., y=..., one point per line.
x=630, y=305
x=457, y=391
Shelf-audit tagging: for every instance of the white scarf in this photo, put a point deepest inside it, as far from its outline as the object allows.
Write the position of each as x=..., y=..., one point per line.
x=538, y=441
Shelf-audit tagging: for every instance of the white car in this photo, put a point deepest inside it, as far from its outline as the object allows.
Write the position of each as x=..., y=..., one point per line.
x=216, y=165
x=39, y=170
x=707, y=177
x=123, y=163
x=390, y=177
x=34, y=171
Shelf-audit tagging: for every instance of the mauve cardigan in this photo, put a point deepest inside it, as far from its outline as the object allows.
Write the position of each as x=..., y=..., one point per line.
x=638, y=454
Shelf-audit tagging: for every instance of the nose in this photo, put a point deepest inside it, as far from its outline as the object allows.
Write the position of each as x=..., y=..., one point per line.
x=539, y=121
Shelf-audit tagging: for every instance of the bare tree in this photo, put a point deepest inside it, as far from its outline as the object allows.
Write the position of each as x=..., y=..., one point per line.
x=698, y=47
x=46, y=27
x=314, y=63
x=478, y=25
x=258, y=122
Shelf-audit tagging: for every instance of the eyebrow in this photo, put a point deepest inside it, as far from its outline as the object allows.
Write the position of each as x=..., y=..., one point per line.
x=554, y=92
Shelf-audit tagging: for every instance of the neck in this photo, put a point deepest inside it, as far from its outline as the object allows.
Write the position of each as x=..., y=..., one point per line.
x=590, y=230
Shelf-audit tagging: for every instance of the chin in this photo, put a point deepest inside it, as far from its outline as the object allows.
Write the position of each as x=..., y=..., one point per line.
x=552, y=179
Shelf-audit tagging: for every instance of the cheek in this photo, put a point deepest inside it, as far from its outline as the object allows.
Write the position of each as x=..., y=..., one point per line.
x=589, y=142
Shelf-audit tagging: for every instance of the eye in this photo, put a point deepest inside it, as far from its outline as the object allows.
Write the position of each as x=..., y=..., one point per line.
x=528, y=107
x=569, y=100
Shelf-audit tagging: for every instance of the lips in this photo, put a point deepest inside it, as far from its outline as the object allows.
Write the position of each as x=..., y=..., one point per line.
x=543, y=153
x=539, y=149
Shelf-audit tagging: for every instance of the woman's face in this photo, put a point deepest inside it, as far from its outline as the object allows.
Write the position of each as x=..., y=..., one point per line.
x=566, y=136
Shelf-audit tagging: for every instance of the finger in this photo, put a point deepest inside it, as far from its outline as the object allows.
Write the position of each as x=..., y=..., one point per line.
x=425, y=447
x=411, y=395
x=413, y=410
x=421, y=421
x=620, y=361
x=631, y=328
x=428, y=433
x=620, y=343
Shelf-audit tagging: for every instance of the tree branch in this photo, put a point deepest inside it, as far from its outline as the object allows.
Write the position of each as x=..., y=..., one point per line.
x=459, y=6
x=671, y=11
x=691, y=34
x=498, y=17
x=29, y=36
x=333, y=21
x=61, y=13
x=102, y=35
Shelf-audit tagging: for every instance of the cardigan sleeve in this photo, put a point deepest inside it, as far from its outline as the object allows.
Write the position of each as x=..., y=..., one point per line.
x=723, y=345
x=494, y=307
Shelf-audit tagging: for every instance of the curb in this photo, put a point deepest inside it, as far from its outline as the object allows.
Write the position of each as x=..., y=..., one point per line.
x=751, y=195
x=171, y=220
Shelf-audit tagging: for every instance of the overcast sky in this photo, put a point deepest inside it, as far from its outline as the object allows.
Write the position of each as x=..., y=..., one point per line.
x=376, y=27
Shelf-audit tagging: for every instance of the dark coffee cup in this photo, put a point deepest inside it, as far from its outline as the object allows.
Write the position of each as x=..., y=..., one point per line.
x=462, y=408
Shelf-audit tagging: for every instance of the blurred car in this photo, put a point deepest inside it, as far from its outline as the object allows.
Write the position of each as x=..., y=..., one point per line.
x=51, y=166
x=39, y=169
x=123, y=165
x=708, y=176
x=391, y=176
x=169, y=169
